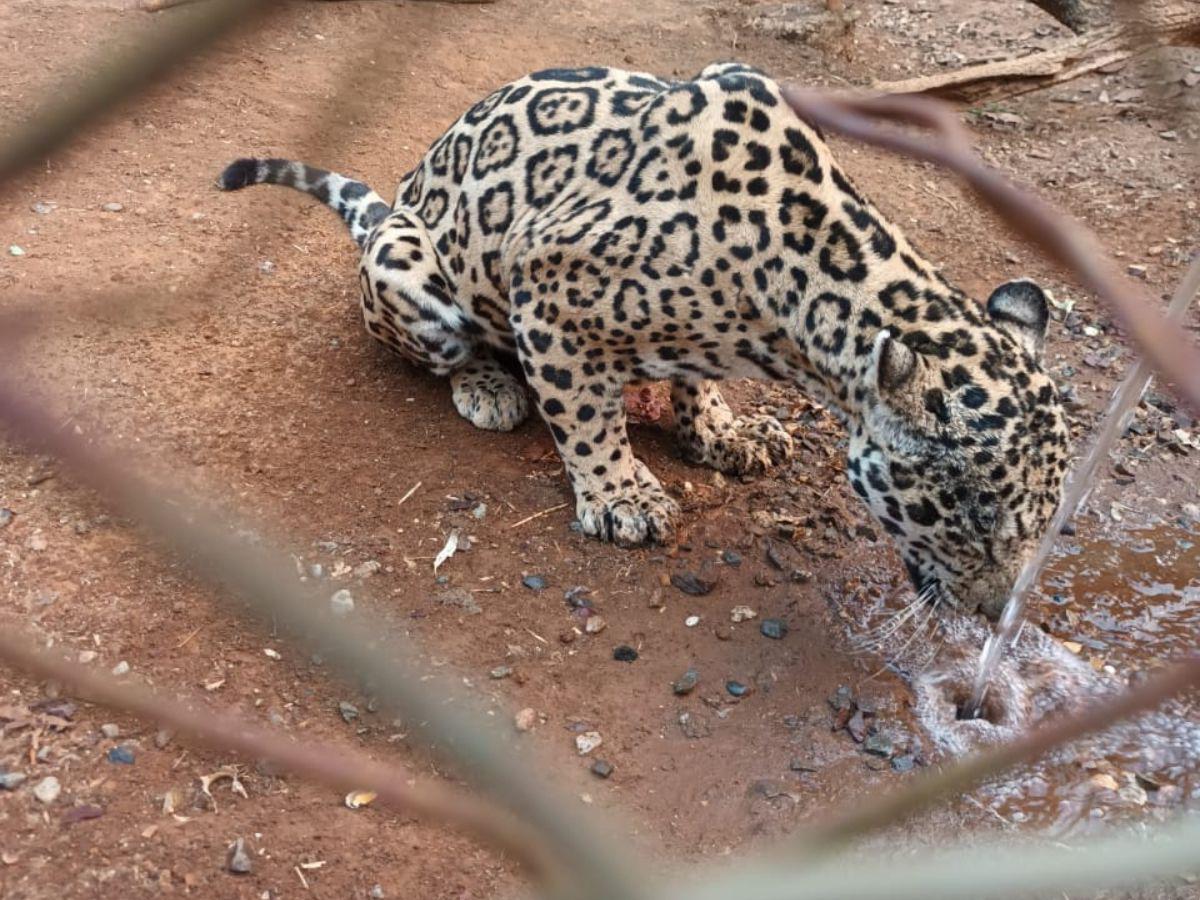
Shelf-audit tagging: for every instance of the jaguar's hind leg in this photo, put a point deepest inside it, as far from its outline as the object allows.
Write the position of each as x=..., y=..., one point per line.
x=488, y=396
x=710, y=434
x=408, y=300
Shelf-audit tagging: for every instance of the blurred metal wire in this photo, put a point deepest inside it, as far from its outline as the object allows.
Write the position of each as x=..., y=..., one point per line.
x=589, y=862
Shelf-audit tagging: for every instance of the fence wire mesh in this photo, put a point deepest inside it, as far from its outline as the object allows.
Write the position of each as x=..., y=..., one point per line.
x=563, y=853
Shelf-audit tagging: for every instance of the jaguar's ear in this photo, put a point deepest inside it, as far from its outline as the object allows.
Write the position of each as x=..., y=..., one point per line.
x=893, y=365
x=1020, y=308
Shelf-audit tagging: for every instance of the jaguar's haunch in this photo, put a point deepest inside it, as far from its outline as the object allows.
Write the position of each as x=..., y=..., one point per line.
x=610, y=227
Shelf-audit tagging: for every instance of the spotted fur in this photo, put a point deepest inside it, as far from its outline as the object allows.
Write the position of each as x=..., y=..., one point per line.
x=608, y=227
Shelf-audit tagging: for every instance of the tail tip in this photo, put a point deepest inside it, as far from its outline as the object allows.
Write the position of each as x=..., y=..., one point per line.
x=239, y=174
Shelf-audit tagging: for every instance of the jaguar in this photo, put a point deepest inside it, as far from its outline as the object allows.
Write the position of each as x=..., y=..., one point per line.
x=606, y=228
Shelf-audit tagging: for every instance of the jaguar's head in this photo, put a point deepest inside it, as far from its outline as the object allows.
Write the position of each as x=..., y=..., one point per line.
x=962, y=446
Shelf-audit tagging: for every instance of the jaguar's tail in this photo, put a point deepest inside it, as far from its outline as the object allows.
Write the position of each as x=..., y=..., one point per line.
x=359, y=206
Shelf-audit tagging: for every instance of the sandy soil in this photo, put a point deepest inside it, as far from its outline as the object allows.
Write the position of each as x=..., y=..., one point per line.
x=241, y=371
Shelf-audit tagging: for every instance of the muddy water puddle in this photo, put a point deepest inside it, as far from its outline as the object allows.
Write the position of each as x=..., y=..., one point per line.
x=1108, y=610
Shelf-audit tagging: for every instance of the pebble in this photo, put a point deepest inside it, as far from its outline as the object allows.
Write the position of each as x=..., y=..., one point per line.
x=239, y=860
x=44, y=207
x=110, y=731
x=624, y=653
x=693, y=584
x=686, y=683
x=903, y=763
x=87, y=656
x=6, y=517
x=736, y=688
x=316, y=570
x=534, y=582
x=367, y=569
x=121, y=668
x=48, y=789
x=10, y=781
x=802, y=765
x=377, y=892
x=501, y=672
x=595, y=625
x=773, y=628
x=348, y=711
x=602, y=768
x=742, y=614
x=525, y=719
x=691, y=621
x=113, y=207
x=162, y=737
x=122, y=755
x=342, y=603
x=587, y=742
x=878, y=745
x=731, y=558
x=14, y=250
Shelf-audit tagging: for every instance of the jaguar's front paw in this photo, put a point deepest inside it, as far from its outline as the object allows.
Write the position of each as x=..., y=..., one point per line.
x=747, y=445
x=637, y=511
x=489, y=398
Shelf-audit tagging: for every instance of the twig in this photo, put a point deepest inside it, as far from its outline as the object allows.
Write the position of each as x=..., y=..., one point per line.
x=412, y=490
x=538, y=515
x=339, y=767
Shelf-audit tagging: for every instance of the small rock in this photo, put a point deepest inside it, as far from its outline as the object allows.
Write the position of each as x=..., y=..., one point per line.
x=342, y=603
x=348, y=711
x=878, y=745
x=802, y=765
x=601, y=768
x=587, y=742
x=577, y=598
x=82, y=813
x=316, y=570
x=112, y=207
x=624, y=653
x=857, y=726
x=773, y=628
x=501, y=672
x=266, y=267
x=10, y=781
x=87, y=656
x=595, y=625
x=14, y=250
x=121, y=756
x=121, y=668
x=742, y=614
x=731, y=558
x=367, y=569
x=1136, y=271
x=723, y=633
x=238, y=861
x=903, y=763
x=686, y=683
x=162, y=738
x=6, y=517
x=691, y=621
x=693, y=584
x=44, y=207
x=377, y=892
x=56, y=706
x=534, y=582
x=525, y=719
x=110, y=731
x=736, y=688
x=47, y=790
x=842, y=698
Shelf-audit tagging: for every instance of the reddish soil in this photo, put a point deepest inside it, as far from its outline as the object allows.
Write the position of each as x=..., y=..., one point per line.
x=215, y=339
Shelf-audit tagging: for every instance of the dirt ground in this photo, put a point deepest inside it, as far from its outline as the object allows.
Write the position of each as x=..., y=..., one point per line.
x=244, y=374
